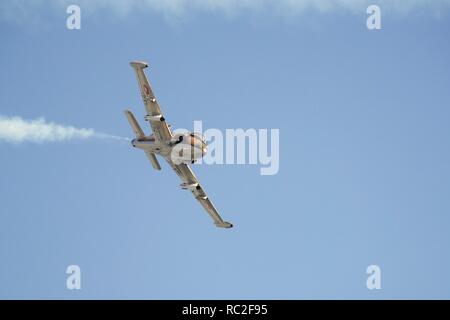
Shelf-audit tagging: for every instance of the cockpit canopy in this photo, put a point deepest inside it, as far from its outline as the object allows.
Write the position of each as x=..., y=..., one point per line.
x=189, y=147
x=197, y=139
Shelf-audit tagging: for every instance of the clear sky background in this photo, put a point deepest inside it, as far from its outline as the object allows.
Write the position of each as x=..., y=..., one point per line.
x=364, y=151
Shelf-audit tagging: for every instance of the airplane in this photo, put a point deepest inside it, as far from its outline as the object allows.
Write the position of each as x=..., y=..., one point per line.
x=179, y=150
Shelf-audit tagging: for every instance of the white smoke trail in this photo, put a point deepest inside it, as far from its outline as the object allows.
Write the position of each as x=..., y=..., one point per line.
x=17, y=130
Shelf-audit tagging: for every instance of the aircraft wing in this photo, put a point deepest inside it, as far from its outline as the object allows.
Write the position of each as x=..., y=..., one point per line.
x=191, y=183
x=154, y=115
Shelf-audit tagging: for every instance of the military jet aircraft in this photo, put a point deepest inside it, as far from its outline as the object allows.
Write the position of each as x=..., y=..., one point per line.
x=179, y=150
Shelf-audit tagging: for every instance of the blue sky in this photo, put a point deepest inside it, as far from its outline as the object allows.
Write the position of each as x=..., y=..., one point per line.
x=364, y=152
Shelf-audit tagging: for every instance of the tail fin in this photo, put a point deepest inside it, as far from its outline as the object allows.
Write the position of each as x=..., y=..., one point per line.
x=139, y=135
x=134, y=124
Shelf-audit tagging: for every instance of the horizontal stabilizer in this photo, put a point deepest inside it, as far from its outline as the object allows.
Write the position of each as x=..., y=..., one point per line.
x=154, y=161
x=134, y=124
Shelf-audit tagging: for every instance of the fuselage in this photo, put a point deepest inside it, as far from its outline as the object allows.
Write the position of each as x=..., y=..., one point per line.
x=183, y=148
